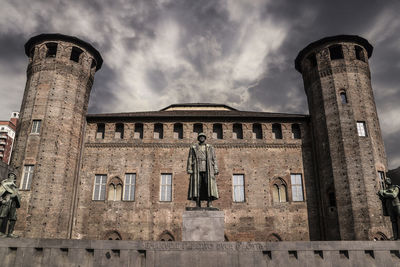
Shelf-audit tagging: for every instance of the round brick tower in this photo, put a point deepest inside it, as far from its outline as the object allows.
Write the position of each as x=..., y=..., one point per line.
x=349, y=152
x=49, y=136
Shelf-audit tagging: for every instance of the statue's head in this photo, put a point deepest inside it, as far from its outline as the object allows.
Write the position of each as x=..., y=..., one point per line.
x=201, y=137
x=388, y=181
x=12, y=176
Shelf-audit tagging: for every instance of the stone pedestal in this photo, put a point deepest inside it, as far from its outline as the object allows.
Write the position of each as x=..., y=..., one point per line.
x=203, y=225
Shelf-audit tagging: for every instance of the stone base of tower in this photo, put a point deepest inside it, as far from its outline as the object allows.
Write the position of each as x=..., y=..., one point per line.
x=61, y=252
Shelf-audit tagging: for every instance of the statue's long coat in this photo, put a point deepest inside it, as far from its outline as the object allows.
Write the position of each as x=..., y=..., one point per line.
x=193, y=169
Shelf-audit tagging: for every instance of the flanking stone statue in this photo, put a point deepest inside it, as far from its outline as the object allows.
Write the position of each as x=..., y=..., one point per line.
x=391, y=204
x=202, y=167
x=9, y=203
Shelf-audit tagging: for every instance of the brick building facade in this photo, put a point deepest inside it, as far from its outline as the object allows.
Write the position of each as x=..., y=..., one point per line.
x=7, y=137
x=123, y=176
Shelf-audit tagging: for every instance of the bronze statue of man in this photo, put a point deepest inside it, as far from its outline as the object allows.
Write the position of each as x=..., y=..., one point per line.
x=391, y=205
x=202, y=167
x=9, y=203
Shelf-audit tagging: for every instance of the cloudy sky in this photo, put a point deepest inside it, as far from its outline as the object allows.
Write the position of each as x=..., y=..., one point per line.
x=239, y=53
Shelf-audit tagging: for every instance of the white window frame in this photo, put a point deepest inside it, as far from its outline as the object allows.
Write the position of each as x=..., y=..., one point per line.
x=166, y=187
x=297, y=187
x=238, y=188
x=101, y=185
x=129, y=187
x=27, y=175
x=381, y=176
x=36, y=125
x=361, y=128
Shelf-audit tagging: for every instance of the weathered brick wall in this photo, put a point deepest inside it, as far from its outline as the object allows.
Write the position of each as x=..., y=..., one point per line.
x=261, y=161
x=347, y=163
x=57, y=93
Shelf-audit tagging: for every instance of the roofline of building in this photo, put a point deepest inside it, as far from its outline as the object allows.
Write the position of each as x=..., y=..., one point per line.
x=198, y=105
x=338, y=38
x=61, y=37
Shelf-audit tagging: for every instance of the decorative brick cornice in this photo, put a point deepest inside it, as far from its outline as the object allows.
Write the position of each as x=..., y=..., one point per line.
x=184, y=145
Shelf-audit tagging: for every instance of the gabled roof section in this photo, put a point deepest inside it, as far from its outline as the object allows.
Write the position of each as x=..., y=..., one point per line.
x=197, y=106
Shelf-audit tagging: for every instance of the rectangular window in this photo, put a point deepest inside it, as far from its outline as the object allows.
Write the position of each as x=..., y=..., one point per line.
x=27, y=177
x=36, y=126
x=361, y=129
x=99, y=192
x=381, y=175
x=238, y=188
x=166, y=187
x=297, y=187
x=129, y=186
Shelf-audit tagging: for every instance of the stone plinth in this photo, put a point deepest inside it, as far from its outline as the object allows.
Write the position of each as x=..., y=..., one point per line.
x=203, y=225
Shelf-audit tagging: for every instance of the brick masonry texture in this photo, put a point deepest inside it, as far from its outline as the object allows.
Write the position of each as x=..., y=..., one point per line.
x=330, y=156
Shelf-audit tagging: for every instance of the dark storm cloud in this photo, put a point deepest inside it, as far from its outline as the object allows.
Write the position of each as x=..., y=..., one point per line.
x=240, y=53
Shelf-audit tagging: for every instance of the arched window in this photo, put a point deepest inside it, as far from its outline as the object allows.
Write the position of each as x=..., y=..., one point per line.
x=51, y=49
x=178, y=131
x=237, y=131
x=113, y=235
x=76, y=54
x=379, y=236
x=359, y=53
x=138, y=131
x=296, y=133
x=197, y=128
x=274, y=238
x=166, y=236
x=100, y=130
x=158, y=131
x=119, y=131
x=343, y=97
x=279, y=191
x=115, y=189
x=336, y=52
x=217, y=131
x=257, y=131
x=277, y=131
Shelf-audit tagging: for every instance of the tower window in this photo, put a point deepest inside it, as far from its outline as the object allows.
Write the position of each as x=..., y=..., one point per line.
x=238, y=188
x=277, y=131
x=296, y=132
x=93, y=65
x=51, y=49
x=178, y=131
x=359, y=53
x=99, y=192
x=32, y=52
x=257, y=131
x=158, y=131
x=115, y=190
x=166, y=187
x=75, y=54
x=336, y=52
x=129, y=186
x=217, y=131
x=36, y=124
x=237, y=131
x=297, y=187
x=332, y=199
x=279, y=191
x=197, y=128
x=27, y=177
x=343, y=97
x=361, y=129
x=119, y=131
x=138, y=134
x=100, y=130
x=381, y=176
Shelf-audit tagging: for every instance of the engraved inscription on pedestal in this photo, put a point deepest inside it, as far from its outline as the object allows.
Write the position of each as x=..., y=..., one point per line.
x=203, y=225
